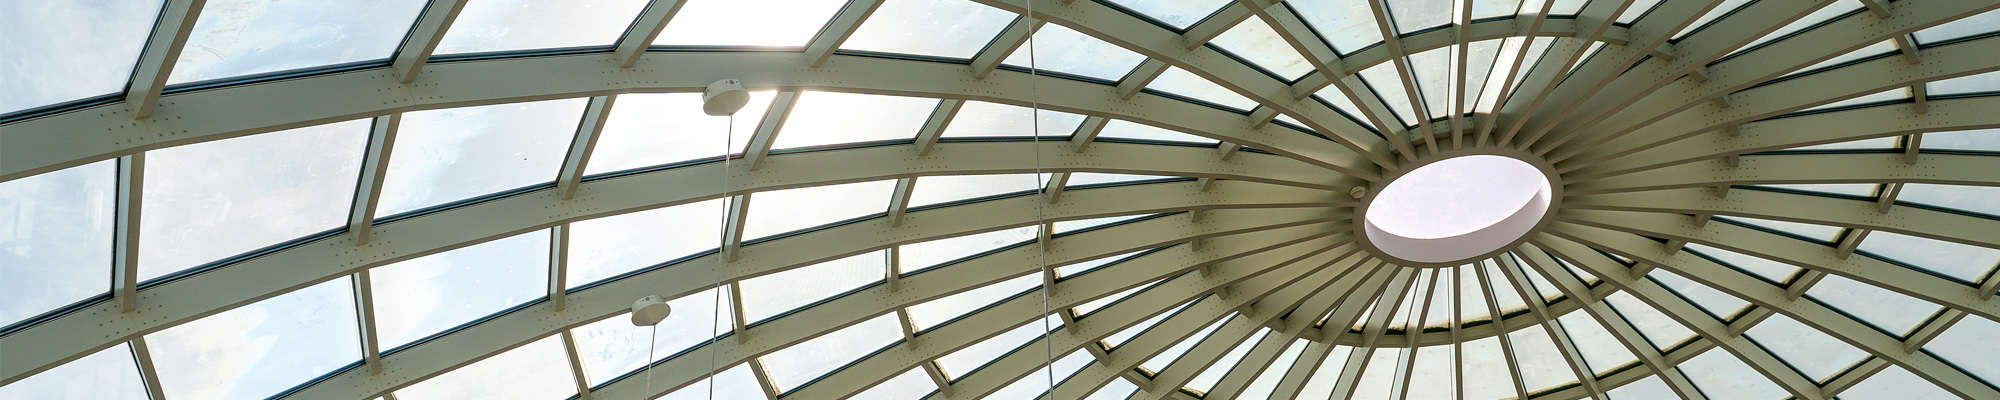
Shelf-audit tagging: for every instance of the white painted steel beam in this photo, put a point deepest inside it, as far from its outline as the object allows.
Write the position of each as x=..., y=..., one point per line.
x=125, y=235
x=1011, y=39
x=157, y=59
x=577, y=160
x=644, y=30
x=844, y=23
x=374, y=170
x=423, y=38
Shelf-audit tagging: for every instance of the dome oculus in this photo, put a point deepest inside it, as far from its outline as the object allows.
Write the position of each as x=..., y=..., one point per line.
x=1457, y=208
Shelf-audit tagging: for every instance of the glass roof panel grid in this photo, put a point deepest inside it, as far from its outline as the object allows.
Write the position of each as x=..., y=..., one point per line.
x=1378, y=376
x=1267, y=381
x=1722, y=306
x=1983, y=23
x=1471, y=298
x=1817, y=232
x=53, y=228
x=1977, y=83
x=1132, y=130
x=1884, y=309
x=1727, y=7
x=1722, y=376
x=1487, y=375
x=606, y=247
x=1321, y=384
x=1416, y=15
x=1092, y=265
x=910, y=385
x=1123, y=335
x=1387, y=85
x=1600, y=349
x=262, y=349
x=1638, y=8
x=1177, y=13
x=1482, y=9
x=1836, y=189
x=109, y=374
x=507, y=25
x=1093, y=178
x=1036, y=384
x=938, y=28
x=233, y=38
x=792, y=367
x=1261, y=46
x=781, y=211
x=932, y=190
x=1118, y=389
x=1347, y=25
x=1178, y=82
x=962, y=362
x=983, y=119
x=1656, y=327
x=1968, y=345
x=1160, y=361
x=930, y=314
x=59, y=51
x=1433, y=364
x=1896, y=383
x=454, y=154
x=1877, y=97
x=537, y=370
x=431, y=294
x=1206, y=380
x=1977, y=199
x=1063, y=227
x=1773, y=271
x=1813, y=353
x=1481, y=58
x=1957, y=261
x=1974, y=140
x=1877, y=49
x=823, y=118
x=1503, y=292
x=613, y=347
x=1651, y=388
x=1862, y=144
x=1061, y=49
x=647, y=129
x=208, y=201
x=736, y=382
x=769, y=296
x=1093, y=305
x=926, y=255
x=1565, y=7
x=753, y=23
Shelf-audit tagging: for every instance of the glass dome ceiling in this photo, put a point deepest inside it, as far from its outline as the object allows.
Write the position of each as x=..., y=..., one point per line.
x=444, y=199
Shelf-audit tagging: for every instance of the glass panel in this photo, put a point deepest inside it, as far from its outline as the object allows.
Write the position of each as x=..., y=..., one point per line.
x=931, y=190
x=1721, y=376
x=1321, y=385
x=1118, y=389
x=108, y=374
x=983, y=119
x=823, y=118
x=1087, y=266
x=1638, y=8
x=1805, y=348
x=1720, y=10
x=1060, y=49
x=1485, y=368
x=233, y=38
x=788, y=210
x=453, y=154
x=1494, y=8
x=1847, y=189
x=767, y=296
x=1542, y=364
x=1974, y=25
x=217, y=199
x=1036, y=384
x=793, y=366
x=59, y=51
x=1256, y=42
x=1503, y=292
x=647, y=129
x=910, y=385
x=1388, y=85
x=1986, y=82
x=1651, y=388
x=1472, y=300
x=1431, y=374
x=1658, y=328
x=925, y=255
x=1099, y=303
x=55, y=238
x=1179, y=13
x=1772, y=270
x=1966, y=263
x=1863, y=144
x=1160, y=361
x=613, y=347
x=1886, y=95
x=535, y=371
x=259, y=350
x=1895, y=383
x=1601, y=350
x=1209, y=376
x=1092, y=178
x=1378, y=376
x=1267, y=381
x=429, y=294
x=1969, y=346
x=734, y=383
x=486, y=26
x=1885, y=309
x=1123, y=335
x=777, y=23
x=1979, y=199
x=1976, y=140
x=606, y=247
x=1433, y=72
x=1415, y=15
x=1131, y=130
x=1180, y=82
x=1347, y=25
x=1062, y=227
x=1722, y=306
x=1567, y=7
x=932, y=313
x=941, y=28
x=1816, y=232
x=1883, y=47
x=964, y=361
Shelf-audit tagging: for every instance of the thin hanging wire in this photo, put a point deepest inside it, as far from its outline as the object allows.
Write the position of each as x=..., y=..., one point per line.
x=1041, y=220
x=652, y=343
x=721, y=253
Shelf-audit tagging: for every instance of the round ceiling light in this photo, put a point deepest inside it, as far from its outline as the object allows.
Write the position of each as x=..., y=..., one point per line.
x=1455, y=209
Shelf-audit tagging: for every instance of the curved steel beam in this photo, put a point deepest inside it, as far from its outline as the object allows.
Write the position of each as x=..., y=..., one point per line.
x=1944, y=169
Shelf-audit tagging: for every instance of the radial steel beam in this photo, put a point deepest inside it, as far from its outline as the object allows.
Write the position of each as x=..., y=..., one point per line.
x=374, y=170
x=1819, y=210
x=927, y=137
x=1645, y=39
x=1565, y=345
x=1017, y=33
x=768, y=129
x=423, y=38
x=837, y=30
x=577, y=160
x=156, y=60
x=644, y=30
x=1943, y=169
x=1627, y=335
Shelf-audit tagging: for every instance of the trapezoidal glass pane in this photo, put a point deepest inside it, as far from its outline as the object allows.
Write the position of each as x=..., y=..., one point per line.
x=1978, y=199
x=430, y=294
x=1963, y=27
x=823, y=118
x=1123, y=129
x=794, y=366
x=1177, y=13
x=1772, y=270
x=910, y=385
x=1160, y=361
x=1256, y=42
x=442, y=156
x=1206, y=380
x=1347, y=25
x=1542, y=365
x=1124, y=335
x=1062, y=227
x=1722, y=376
x=1388, y=85
x=234, y=38
x=1061, y=49
x=1100, y=303
x=1416, y=15
x=606, y=247
x=1975, y=140
x=1186, y=84
x=966, y=360
x=648, y=129
x=1651, y=388
x=1093, y=178
x=930, y=190
x=788, y=210
x=752, y=23
x=1977, y=83
x=925, y=255
x=732, y=383
x=1896, y=383
x=1267, y=381
x=59, y=51
x=937, y=28
x=1818, y=356
x=55, y=238
x=613, y=347
x=983, y=119
x=208, y=201
x=262, y=349
x=507, y=25
x=1656, y=327
x=768, y=296
x=1960, y=261
x=109, y=374
x=1601, y=350
x=1722, y=306
x=535, y=371
x=1093, y=264
x=1885, y=309
x=1485, y=368
x=1036, y=384
x=1118, y=389
x=930, y=314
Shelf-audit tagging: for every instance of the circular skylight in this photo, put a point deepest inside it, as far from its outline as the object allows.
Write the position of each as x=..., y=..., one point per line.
x=1455, y=196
